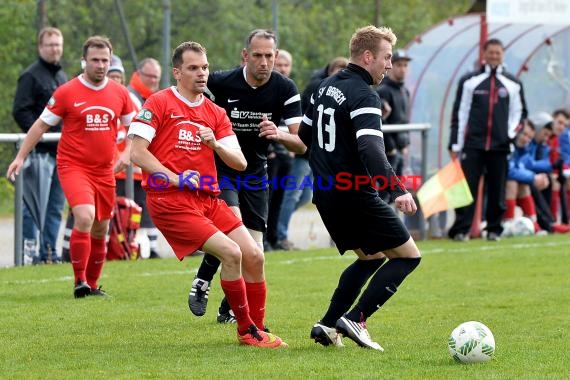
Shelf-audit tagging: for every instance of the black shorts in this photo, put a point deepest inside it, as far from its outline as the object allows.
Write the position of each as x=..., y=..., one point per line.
x=360, y=222
x=253, y=205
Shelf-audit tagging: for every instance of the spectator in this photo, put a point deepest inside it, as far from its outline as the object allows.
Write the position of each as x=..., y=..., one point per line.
x=525, y=174
x=396, y=96
x=559, y=198
x=90, y=106
x=144, y=82
x=35, y=87
x=279, y=161
x=487, y=112
x=297, y=197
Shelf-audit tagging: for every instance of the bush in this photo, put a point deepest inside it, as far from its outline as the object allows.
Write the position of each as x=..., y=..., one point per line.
x=6, y=196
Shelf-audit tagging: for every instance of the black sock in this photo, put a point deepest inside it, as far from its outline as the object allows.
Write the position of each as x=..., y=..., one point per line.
x=224, y=306
x=349, y=286
x=382, y=286
x=208, y=267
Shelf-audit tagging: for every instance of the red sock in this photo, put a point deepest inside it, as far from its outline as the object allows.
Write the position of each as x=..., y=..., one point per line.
x=237, y=298
x=256, y=296
x=529, y=209
x=79, y=250
x=555, y=204
x=510, y=212
x=96, y=261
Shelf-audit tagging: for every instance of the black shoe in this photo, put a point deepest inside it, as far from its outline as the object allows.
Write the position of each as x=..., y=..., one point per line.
x=327, y=336
x=358, y=332
x=226, y=317
x=461, y=237
x=81, y=290
x=98, y=292
x=198, y=297
x=154, y=255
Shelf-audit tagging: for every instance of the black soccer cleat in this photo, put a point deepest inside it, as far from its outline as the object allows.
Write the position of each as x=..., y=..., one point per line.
x=81, y=289
x=198, y=297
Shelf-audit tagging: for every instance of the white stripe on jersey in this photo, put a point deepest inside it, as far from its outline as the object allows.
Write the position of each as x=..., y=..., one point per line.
x=366, y=110
x=293, y=99
x=369, y=132
x=49, y=117
x=307, y=121
x=293, y=120
x=230, y=142
x=126, y=119
x=143, y=130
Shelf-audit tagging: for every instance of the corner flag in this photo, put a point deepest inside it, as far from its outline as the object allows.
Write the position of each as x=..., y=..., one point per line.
x=445, y=190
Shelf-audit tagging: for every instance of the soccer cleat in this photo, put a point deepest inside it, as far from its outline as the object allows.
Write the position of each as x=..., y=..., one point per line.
x=98, y=292
x=226, y=317
x=326, y=336
x=357, y=332
x=258, y=338
x=198, y=297
x=81, y=289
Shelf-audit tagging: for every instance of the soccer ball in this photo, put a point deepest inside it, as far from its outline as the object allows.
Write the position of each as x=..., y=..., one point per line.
x=521, y=226
x=471, y=342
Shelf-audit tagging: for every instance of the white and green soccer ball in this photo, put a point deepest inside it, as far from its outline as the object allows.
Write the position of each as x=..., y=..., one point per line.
x=471, y=342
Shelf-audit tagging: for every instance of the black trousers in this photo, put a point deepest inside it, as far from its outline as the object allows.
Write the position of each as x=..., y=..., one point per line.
x=494, y=167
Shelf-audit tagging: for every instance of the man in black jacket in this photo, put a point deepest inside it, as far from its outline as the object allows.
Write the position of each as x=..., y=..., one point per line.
x=396, y=96
x=487, y=113
x=35, y=87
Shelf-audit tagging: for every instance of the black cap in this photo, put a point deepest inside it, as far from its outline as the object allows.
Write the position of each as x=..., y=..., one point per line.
x=400, y=55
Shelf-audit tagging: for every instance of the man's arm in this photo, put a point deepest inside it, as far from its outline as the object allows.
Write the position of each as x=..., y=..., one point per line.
x=226, y=148
x=24, y=102
x=290, y=140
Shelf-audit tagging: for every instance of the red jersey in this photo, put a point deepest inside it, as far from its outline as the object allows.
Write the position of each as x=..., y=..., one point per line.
x=554, y=144
x=170, y=122
x=90, y=115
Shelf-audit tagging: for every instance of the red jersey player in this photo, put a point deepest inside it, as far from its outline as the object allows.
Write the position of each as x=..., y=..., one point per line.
x=175, y=136
x=90, y=106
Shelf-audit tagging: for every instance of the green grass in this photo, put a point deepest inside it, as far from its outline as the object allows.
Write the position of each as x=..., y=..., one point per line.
x=517, y=287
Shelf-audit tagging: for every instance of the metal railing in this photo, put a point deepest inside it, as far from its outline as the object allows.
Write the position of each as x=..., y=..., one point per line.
x=17, y=138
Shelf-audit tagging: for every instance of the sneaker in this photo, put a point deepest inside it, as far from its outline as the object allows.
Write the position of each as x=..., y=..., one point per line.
x=154, y=255
x=198, y=297
x=461, y=237
x=81, y=289
x=258, y=338
x=285, y=245
x=327, y=336
x=226, y=317
x=493, y=236
x=98, y=292
x=357, y=332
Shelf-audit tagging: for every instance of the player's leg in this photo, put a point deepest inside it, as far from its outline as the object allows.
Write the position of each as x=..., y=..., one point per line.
x=350, y=283
x=383, y=285
x=80, y=246
x=97, y=256
x=198, y=297
x=228, y=252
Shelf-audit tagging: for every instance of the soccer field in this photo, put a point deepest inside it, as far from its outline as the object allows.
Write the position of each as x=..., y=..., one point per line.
x=519, y=288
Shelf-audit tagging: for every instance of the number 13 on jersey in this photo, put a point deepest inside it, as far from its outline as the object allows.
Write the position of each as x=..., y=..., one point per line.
x=329, y=128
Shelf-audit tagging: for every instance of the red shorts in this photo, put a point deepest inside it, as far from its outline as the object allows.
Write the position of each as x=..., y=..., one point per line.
x=81, y=187
x=187, y=219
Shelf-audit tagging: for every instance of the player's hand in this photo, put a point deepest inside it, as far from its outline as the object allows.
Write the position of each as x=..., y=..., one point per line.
x=541, y=181
x=123, y=161
x=14, y=169
x=190, y=179
x=208, y=138
x=268, y=129
x=406, y=204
